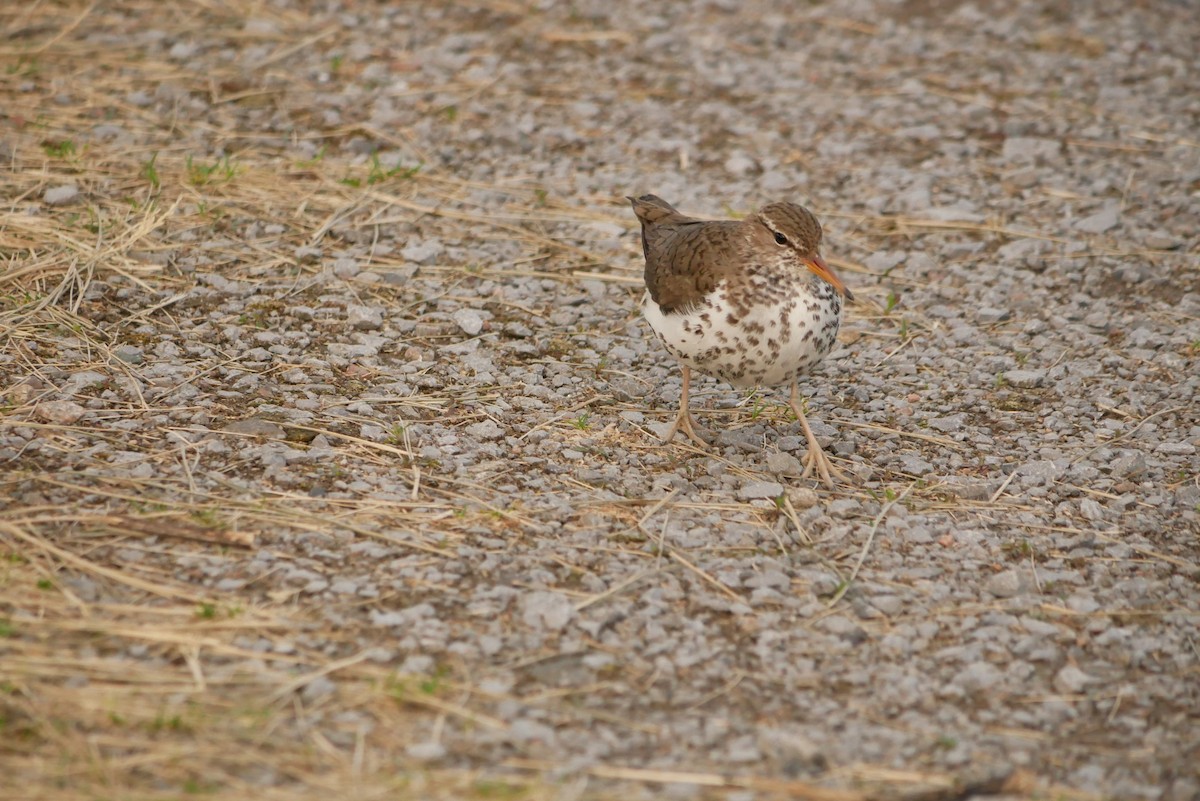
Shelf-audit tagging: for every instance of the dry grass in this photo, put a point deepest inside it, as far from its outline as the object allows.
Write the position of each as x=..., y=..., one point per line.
x=119, y=679
x=156, y=687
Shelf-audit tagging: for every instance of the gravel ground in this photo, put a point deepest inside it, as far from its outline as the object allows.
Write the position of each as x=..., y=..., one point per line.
x=322, y=369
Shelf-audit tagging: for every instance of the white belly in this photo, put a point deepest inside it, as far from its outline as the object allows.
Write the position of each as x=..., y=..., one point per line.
x=770, y=345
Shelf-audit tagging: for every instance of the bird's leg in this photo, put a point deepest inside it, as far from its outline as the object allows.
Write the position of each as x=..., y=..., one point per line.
x=815, y=459
x=683, y=421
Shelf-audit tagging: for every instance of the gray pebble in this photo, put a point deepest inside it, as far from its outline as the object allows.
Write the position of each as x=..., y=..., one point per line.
x=1025, y=379
x=1004, y=585
x=802, y=497
x=423, y=251
x=486, y=431
x=425, y=752
x=784, y=464
x=979, y=677
x=1042, y=471
x=1091, y=509
x=740, y=164
x=1027, y=148
x=524, y=730
x=318, y=688
x=1160, y=240
x=1071, y=679
x=844, y=628
x=743, y=750
x=884, y=260
x=61, y=195
x=948, y=424
x=1019, y=249
x=364, y=318
x=183, y=50
x=85, y=379
x=793, y=752
x=373, y=432
x=915, y=465
x=844, y=507
x=130, y=354
x=989, y=315
x=469, y=321
x=346, y=268
x=759, y=489
x=969, y=489
x=62, y=413
x=256, y=427
x=888, y=604
x=1101, y=221
x=1129, y=465
x=306, y=254
x=544, y=609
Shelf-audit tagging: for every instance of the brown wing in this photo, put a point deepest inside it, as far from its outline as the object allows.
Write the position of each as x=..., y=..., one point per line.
x=683, y=254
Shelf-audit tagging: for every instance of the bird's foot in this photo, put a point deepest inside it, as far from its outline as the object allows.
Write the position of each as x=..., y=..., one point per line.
x=683, y=422
x=816, y=461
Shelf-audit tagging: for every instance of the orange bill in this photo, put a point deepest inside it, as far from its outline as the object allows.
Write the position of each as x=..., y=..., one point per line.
x=818, y=266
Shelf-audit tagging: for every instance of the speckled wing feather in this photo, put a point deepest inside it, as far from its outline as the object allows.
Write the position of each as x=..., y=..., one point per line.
x=680, y=264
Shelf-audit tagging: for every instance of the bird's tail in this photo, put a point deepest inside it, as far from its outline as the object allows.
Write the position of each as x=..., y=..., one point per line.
x=652, y=209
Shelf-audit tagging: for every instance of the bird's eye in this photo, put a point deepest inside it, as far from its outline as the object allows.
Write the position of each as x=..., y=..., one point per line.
x=780, y=239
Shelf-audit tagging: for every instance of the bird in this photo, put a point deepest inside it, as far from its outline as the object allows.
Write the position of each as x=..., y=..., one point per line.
x=749, y=301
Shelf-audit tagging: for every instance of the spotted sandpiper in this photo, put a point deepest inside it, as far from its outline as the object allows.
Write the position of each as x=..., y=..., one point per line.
x=750, y=301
